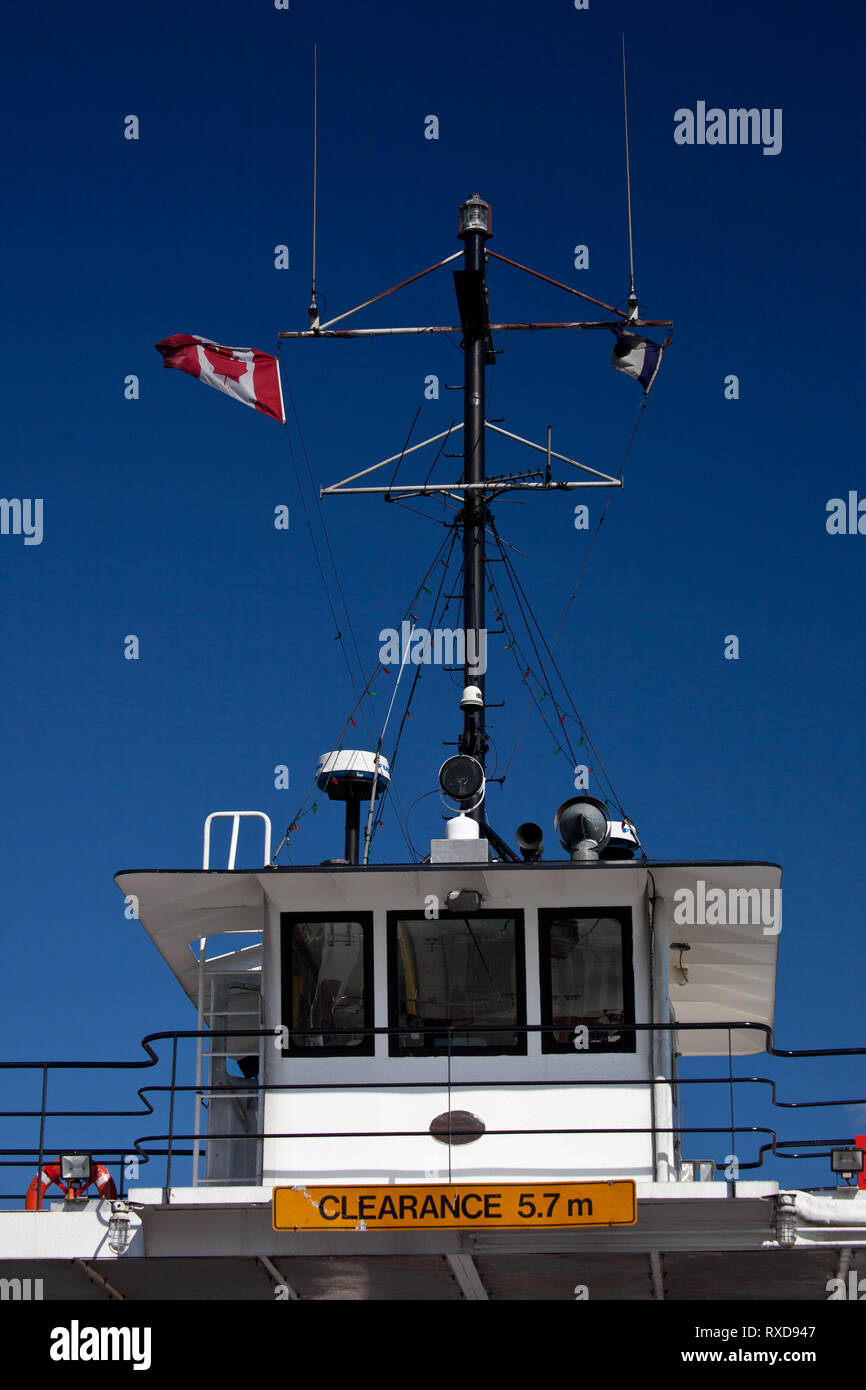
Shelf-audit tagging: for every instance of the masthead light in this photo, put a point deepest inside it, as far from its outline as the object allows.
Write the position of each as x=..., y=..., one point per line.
x=474, y=216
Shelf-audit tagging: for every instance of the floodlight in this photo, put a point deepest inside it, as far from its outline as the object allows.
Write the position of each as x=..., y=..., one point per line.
x=461, y=778
x=75, y=1169
x=846, y=1160
x=582, y=826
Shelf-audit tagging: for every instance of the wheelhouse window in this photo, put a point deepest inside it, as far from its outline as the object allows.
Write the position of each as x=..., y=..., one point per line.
x=587, y=978
x=456, y=983
x=327, y=983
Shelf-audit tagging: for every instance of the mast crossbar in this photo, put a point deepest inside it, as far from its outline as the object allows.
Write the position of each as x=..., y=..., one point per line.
x=455, y=489
x=457, y=328
x=450, y=488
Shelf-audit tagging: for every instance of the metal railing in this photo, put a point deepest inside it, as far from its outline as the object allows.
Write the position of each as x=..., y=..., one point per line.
x=170, y=1143
x=235, y=817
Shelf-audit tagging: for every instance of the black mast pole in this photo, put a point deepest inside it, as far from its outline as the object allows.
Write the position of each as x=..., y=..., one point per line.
x=471, y=286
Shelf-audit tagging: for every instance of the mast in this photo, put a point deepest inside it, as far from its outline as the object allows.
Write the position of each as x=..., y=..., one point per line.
x=471, y=287
x=474, y=489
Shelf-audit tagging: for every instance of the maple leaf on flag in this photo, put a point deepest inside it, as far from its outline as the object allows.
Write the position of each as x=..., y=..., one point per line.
x=252, y=377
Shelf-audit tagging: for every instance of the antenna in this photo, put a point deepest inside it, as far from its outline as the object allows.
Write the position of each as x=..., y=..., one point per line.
x=632, y=297
x=313, y=310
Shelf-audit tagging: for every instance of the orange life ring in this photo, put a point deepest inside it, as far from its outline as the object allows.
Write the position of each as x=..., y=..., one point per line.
x=100, y=1178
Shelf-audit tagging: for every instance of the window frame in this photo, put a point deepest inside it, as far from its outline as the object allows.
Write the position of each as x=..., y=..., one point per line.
x=550, y=1048
x=367, y=1046
x=519, y=1048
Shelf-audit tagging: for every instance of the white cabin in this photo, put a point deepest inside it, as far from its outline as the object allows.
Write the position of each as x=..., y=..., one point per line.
x=451, y=1020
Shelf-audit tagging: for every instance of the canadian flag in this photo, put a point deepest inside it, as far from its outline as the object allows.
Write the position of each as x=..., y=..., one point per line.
x=250, y=376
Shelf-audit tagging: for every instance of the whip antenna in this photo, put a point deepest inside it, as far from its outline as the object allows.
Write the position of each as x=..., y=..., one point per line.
x=313, y=310
x=632, y=297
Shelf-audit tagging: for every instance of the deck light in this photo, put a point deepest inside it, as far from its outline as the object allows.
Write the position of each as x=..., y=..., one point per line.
x=75, y=1169
x=786, y=1220
x=463, y=900
x=846, y=1160
x=474, y=216
x=119, y=1228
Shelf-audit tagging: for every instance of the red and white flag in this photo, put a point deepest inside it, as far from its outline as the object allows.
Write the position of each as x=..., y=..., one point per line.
x=250, y=376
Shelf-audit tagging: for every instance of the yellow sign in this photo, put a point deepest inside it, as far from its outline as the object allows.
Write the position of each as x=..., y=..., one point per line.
x=490, y=1206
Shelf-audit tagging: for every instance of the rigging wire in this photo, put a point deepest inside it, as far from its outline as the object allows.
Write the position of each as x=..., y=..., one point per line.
x=350, y=719
x=422, y=797
x=370, y=828
x=317, y=500
x=406, y=713
x=401, y=820
x=439, y=453
x=368, y=837
x=572, y=596
x=353, y=679
x=325, y=586
x=403, y=450
x=524, y=605
x=428, y=516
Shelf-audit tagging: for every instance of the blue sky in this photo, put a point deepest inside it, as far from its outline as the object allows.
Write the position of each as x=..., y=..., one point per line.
x=158, y=511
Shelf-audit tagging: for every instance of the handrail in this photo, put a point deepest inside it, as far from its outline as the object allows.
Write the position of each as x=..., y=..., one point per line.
x=236, y=817
x=236, y=822
x=143, y=1147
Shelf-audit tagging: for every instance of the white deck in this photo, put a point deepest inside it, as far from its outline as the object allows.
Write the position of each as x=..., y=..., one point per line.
x=690, y=1242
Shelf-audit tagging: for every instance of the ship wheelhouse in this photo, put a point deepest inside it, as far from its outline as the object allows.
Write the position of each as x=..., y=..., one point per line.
x=448, y=1021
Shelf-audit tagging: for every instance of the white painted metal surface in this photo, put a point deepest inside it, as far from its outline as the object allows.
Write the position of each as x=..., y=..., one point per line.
x=731, y=969
x=235, y=817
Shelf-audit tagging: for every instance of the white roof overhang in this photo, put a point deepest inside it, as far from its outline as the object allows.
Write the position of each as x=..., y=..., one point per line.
x=730, y=964
x=728, y=972
x=177, y=908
